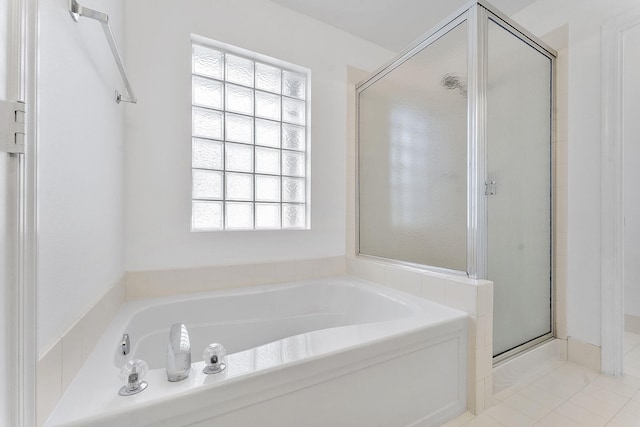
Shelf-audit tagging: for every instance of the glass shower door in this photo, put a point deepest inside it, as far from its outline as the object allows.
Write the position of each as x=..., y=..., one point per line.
x=413, y=157
x=518, y=189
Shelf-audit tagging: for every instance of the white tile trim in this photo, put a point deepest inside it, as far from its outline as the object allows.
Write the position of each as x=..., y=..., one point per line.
x=632, y=323
x=156, y=283
x=585, y=354
x=530, y=363
x=58, y=365
x=472, y=296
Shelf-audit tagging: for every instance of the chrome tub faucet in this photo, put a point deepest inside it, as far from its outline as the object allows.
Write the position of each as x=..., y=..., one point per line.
x=178, y=353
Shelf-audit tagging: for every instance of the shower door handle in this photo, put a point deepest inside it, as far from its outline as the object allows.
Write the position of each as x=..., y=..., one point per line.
x=490, y=188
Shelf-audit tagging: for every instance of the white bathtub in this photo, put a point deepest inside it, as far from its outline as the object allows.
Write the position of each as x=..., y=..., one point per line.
x=326, y=352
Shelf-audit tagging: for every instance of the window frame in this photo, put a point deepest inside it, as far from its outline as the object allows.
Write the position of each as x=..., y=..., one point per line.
x=224, y=112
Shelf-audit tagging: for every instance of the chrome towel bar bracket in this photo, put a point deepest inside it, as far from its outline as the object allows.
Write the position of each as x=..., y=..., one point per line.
x=77, y=11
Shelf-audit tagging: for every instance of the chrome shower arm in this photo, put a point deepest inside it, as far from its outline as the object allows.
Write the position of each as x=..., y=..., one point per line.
x=76, y=10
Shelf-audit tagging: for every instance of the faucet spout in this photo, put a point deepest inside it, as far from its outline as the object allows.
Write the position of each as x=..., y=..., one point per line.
x=178, y=353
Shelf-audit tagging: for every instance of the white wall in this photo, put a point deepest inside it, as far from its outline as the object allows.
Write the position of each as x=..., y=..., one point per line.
x=158, y=132
x=80, y=165
x=631, y=143
x=584, y=20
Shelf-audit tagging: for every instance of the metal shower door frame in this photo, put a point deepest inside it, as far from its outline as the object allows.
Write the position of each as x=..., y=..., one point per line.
x=487, y=13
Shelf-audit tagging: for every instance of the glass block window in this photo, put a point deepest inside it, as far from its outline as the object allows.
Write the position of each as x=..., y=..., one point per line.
x=249, y=141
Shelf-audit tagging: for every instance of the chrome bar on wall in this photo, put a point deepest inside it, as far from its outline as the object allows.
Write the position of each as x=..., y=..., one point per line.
x=77, y=11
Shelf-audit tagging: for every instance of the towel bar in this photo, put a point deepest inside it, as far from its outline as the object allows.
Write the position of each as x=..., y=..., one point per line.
x=77, y=11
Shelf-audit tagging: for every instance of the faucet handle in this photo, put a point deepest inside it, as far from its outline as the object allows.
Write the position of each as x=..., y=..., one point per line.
x=133, y=373
x=214, y=358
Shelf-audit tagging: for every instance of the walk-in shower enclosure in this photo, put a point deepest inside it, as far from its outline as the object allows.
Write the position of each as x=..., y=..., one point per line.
x=455, y=164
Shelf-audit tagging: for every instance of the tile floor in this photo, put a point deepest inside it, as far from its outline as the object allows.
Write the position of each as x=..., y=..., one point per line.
x=563, y=394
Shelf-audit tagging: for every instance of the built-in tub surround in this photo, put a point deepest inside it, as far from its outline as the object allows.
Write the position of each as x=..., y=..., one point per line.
x=149, y=284
x=304, y=346
x=59, y=364
x=474, y=297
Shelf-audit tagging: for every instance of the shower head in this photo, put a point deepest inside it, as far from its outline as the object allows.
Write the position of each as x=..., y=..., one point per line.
x=452, y=81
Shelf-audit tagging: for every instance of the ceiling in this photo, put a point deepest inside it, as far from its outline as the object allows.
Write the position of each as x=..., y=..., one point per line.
x=392, y=24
